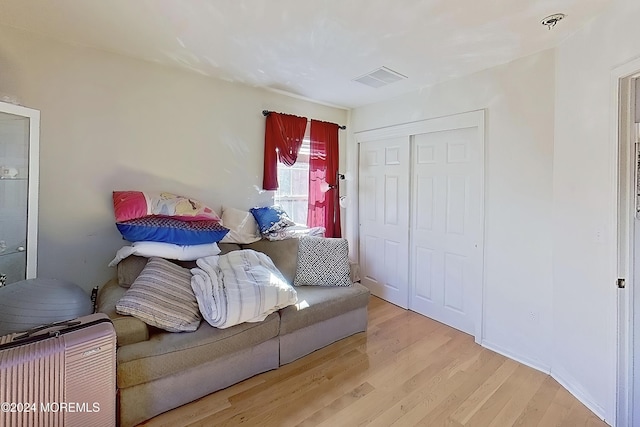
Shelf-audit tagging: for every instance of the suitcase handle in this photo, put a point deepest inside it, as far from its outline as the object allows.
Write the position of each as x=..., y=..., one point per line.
x=65, y=327
x=64, y=323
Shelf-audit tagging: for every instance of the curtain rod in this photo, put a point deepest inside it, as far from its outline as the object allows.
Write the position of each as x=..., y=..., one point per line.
x=267, y=112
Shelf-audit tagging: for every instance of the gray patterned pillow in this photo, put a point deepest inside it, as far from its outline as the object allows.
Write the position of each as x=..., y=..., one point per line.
x=161, y=296
x=322, y=262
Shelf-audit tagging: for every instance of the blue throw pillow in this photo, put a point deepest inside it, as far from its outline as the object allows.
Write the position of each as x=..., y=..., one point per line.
x=271, y=218
x=170, y=230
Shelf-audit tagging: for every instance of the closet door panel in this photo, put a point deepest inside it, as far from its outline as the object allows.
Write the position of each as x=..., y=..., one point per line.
x=446, y=224
x=384, y=218
x=424, y=271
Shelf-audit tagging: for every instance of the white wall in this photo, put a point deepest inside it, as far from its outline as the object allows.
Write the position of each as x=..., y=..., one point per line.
x=549, y=126
x=584, y=223
x=111, y=122
x=519, y=103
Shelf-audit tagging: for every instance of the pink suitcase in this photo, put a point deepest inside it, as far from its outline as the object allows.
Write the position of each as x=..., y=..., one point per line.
x=63, y=374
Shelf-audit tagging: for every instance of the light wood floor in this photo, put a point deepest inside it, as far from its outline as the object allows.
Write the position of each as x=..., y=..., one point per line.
x=405, y=370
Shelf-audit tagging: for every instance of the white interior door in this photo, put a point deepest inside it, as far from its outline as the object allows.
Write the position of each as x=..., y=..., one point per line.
x=446, y=229
x=384, y=218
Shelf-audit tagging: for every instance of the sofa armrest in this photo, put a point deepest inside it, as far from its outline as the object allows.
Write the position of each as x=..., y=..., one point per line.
x=129, y=330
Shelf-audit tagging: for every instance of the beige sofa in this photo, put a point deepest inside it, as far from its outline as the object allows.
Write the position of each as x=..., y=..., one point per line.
x=158, y=371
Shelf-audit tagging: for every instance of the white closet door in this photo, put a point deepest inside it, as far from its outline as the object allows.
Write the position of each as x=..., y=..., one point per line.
x=446, y=229
x=384, y=218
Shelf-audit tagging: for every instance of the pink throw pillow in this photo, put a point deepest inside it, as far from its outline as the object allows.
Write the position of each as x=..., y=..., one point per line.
x=128, y=205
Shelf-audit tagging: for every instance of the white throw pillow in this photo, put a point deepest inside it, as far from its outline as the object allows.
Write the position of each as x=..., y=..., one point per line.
x=243, y=228
x=166, y=250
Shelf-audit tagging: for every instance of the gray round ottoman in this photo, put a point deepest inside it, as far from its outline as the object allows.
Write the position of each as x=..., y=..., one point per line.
x=34, y=302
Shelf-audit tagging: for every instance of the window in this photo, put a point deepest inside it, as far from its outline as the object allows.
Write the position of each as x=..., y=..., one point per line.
x=293, y=184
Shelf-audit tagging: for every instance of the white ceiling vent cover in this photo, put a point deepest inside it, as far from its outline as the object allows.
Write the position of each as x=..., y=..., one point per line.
x=380, y=77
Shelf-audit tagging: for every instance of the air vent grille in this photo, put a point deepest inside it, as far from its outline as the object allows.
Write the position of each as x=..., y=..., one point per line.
x=380, y=77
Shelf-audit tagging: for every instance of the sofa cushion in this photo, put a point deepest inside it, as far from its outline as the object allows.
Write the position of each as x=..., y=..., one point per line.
x=129, y=330
x=316, y=303
x=283, y=253
x=166, y=354
x=225, y=248
x=130, y=267
x=323, y=262
x=161, y=296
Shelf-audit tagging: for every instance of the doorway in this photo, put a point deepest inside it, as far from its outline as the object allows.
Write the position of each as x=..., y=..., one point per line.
x=626, y=86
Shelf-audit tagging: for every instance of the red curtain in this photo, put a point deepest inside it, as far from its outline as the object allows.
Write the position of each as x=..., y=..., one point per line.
x=324, y=209
x=282, y=140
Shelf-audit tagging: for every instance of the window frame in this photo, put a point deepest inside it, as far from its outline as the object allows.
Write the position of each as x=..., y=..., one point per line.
x=285, y=200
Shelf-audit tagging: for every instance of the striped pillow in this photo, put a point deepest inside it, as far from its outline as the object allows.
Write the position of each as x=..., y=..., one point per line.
x=161, y=296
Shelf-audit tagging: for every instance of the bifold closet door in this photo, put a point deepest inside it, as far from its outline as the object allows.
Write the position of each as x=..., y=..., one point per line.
x=384, y=218
x=446, y=226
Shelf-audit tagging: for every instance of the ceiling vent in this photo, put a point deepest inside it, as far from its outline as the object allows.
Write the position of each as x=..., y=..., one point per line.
x=380, y=77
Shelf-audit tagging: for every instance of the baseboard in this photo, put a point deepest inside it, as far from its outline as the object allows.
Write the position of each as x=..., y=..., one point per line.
x=568, y=382
x=563, y=378
x=532, y=363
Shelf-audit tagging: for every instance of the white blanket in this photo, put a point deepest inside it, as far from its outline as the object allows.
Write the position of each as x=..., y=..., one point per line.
x=241, y=286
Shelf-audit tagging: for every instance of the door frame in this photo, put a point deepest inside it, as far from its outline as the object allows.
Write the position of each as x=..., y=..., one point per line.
x=624, y=166
x=33, y=182
x=468, y=119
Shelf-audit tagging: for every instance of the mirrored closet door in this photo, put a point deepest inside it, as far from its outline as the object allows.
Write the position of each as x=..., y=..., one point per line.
x=19, y=138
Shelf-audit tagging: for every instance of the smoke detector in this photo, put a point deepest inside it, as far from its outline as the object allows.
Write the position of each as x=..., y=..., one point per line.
x=551, y=20
x=380, y=77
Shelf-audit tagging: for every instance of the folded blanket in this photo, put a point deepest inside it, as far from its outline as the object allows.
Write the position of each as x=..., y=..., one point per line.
x=241, y=286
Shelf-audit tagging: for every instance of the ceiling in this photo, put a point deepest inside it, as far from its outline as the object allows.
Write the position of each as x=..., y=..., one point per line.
x=310, y=48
